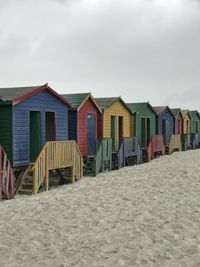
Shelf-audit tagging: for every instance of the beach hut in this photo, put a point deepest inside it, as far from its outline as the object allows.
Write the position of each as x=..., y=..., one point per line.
x=83, y=127
x=175, y=143
x=185, y=138
x=30, y=117
x=116, y=124
x=143, y=126
x=195, y=128
x=165, y=123
x=83, y=121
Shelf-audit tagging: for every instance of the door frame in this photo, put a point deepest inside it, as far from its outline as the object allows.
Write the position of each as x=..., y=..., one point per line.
x=54, y=124
x=29, y=131
x=94, y=115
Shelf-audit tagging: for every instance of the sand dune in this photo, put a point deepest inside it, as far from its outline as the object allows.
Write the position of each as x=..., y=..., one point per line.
x=145, y=215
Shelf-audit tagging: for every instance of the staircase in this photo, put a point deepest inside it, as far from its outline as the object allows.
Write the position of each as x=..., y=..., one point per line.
x=26, y=181
x=7, y=178
x=55, y=155
x=174, y=144
x=155, y=146
x=90, y=165
x=100, y=162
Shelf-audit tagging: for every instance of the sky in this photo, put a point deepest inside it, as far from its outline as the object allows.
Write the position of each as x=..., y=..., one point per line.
x=141, y=50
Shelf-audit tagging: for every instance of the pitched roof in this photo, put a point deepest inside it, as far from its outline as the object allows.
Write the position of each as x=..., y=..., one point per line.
x=11, y=93
x=176, y=111
x=18, y=94
x=77, y=100
x=106, y=102
x=159, y=109
x=184, y=112
x=138, y=107
x=194, y=115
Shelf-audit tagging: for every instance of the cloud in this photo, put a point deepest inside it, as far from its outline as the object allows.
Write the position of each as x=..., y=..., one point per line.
x=142, y=50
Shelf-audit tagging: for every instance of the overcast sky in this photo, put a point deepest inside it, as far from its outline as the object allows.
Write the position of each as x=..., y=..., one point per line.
x=143, y=50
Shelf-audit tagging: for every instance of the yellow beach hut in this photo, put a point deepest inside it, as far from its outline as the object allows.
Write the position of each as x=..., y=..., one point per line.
x=116, y=124
x=186, y=129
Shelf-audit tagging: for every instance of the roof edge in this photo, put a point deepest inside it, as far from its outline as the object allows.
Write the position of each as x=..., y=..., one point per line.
x=37, y=90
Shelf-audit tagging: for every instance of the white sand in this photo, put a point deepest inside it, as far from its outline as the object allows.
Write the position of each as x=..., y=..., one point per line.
x=147, y=215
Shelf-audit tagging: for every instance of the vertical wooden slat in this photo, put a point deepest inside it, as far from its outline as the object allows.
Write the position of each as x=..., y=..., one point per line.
x=1, y=172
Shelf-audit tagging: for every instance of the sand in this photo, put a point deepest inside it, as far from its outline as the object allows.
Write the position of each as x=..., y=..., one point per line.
x=145, y=215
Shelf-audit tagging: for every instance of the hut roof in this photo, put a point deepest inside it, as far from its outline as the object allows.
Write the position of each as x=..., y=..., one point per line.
x=106, y=102
x=194, y=115
x=159, y=109
x=185, y=112
x=77, y=100
x=18, y=94
x=138, y=107
x=176, y=111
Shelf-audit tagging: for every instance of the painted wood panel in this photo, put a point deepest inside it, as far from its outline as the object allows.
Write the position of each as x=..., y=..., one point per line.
x=117, y=109
x=169, y=118
x=186, y=124
x=82, y=132
x=178, y=128
x=6, y=129
x=72, y=125
x=44, y=101
x=145, y=114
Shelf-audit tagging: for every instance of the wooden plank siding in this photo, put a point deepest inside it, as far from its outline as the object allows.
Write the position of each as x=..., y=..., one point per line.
x=6, y=129
x=178, y=129
x=117, y=109
x=187, y=124
x=43, y=102
x=82, y=131
x=73, y=124
x=166, y=115
x=136, y=122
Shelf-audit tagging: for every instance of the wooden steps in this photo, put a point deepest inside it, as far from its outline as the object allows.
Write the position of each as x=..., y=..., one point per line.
x=26, y=183
x=89, y=165
x=61, y=156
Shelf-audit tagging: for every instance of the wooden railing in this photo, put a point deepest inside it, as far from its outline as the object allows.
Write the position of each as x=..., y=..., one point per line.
x=132, y=148
x=185, y=140
x=175, y=143
x=194, y=140
x=106, y=154
x=155, y=145
x=120, y=156
x=56, y=155
x=7, y=178
x=98, y=158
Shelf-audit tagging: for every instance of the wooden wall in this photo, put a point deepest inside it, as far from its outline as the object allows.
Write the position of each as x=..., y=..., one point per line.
x=117, y=109
x=82, y=131
x=185, y=120
x=43, y=101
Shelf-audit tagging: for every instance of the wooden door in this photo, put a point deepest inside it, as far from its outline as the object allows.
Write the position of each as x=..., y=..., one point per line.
x=143, y=132
x=50, y=129
x=164, y=131
x=148, y=131
x=113, y=132
x=91, y=121
x=35, y=135
x=120, y=129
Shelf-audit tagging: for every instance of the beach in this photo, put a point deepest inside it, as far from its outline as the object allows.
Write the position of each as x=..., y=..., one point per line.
x=142, y=215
